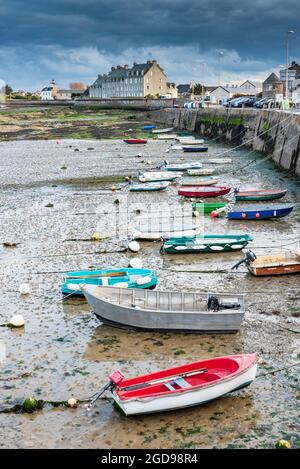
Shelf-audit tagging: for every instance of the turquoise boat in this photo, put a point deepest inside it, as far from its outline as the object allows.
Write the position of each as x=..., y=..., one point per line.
x=154, y=186
x=206, y=244
x=123, y=278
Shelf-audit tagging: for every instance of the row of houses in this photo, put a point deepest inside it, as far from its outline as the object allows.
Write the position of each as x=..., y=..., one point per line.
x=138, y=81
x=149, y=80
x=53, y=92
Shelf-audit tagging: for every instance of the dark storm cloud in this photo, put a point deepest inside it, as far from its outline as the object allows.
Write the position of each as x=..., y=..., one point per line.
x=77, y=39
x=254, y=27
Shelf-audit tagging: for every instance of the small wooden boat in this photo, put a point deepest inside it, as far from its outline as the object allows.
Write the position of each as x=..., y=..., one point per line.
x=204, y=244
x=162, y=131
x=166, y=311
x=208, y=207
x=159, y=176
x=167, y=137
x=259, y=195
x=182, y=166
x=153, y=186
x=205, y=181
x=149, y=127
x=283, y=263
x=194, y=149
x=126, y=278
x=204, y=191
x=190, y=140
x=153, y=231
x=259, y=212
x=200, y=172
x=218, y=161
x=135, y=140
x=183, y=386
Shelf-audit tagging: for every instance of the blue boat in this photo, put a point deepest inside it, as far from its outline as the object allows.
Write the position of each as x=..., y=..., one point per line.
x=149, y=127
x=194, y=149
x=123, y=278
x=259, y=212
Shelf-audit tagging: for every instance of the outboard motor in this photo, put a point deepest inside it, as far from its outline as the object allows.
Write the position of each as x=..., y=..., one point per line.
x=250, y=257
x=213, y=303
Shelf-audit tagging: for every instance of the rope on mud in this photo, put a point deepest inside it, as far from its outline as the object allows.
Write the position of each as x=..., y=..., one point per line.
x=278, y=370
x=30, y=405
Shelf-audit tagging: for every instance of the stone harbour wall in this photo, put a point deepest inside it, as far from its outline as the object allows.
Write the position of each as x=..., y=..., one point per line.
x=271, y=132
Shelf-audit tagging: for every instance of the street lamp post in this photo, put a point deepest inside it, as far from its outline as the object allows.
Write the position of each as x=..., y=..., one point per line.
x=288, y=34
x=202, y=80
x=220, y=54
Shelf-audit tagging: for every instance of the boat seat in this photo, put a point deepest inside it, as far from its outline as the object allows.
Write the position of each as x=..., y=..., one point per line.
x=182, y=383
x=169, y=386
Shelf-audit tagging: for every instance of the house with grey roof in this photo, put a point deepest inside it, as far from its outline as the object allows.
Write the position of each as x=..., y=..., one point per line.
x=272, y=86
x=141, y=80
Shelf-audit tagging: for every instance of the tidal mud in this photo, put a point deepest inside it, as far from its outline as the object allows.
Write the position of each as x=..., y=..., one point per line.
x=64, y=351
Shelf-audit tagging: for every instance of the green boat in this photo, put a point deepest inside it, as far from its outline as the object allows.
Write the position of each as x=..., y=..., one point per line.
x=206, y=244
x=208, y=207
x=259, y=195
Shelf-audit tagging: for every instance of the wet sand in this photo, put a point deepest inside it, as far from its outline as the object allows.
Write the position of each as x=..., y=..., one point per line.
x=67, y=350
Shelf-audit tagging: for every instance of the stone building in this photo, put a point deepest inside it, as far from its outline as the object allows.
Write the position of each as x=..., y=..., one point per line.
x=141, y=80
x=273, y=87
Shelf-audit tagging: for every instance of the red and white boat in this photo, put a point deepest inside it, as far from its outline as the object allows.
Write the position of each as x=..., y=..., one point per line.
x=204, y=191
x=135, y=140
x=182, y=386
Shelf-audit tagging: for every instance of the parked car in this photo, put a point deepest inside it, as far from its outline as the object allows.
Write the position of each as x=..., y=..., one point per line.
x=231, y=102
x=265, y=103
x=247, y=102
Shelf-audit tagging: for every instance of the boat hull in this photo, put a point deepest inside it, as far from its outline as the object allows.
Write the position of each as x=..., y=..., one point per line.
x=136, y=141
x=144, y=187
x=208, y=207
x=157, y=235
x=135, y=318
x=194, y=149
x=260, y=213
x=278, y=270
x=162, y=131
x=209, y=192
x=184, y=398
x=206, y=244
x=183, y=167
x=259, y=195
x=210, y=181
x=130, y=277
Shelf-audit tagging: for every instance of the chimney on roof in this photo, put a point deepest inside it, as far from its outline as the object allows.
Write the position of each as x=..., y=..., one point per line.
x=119, y=67
x=113, y=69
x=125, y=66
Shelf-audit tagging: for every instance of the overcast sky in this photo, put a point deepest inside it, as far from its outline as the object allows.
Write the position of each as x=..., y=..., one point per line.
x=74, y=40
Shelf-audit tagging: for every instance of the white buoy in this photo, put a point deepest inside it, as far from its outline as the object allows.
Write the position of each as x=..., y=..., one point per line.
x=24, y=288
x=134, y=246
x=72, y=402
x=17, y=321
x=149, y=162
x=136, y=263
x=196, y=213
x=140, y=154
